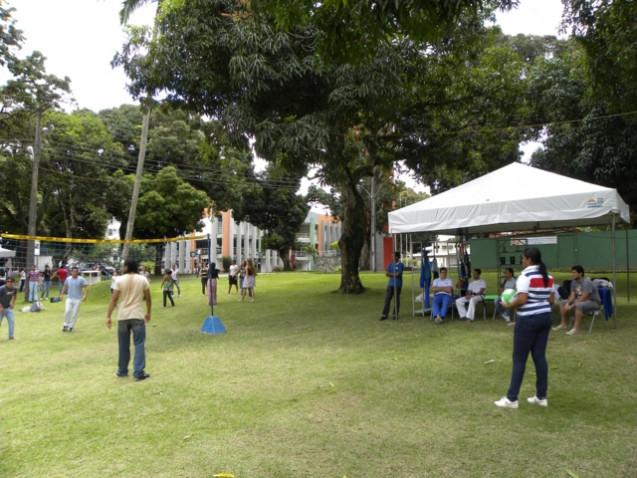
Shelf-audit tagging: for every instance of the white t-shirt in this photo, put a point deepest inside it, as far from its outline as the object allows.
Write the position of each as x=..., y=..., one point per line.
x=173, y=273
x=131, y=289
x=476, y=286
x=443, y=283
x=234, y=269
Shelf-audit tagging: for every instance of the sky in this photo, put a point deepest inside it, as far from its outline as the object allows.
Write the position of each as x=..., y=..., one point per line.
x=80, y=37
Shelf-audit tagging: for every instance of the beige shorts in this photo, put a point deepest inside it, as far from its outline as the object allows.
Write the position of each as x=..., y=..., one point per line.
x=587, y=306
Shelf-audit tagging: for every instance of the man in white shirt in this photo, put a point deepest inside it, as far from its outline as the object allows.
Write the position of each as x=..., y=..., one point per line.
x=133, y=290
x=233, y=275
x=174, y=275
x=474, y=295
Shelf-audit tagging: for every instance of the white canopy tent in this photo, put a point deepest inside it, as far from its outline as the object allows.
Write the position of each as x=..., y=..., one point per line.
x=516, y=197
x=513, y=198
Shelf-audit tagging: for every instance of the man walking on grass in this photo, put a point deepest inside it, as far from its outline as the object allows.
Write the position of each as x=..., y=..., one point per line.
x=8, y=294
x=131, y=290
x=77, y=289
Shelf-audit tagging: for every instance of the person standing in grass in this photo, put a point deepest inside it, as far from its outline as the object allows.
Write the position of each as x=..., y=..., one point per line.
x=533, y=303
x=394, y=286
x=175, y=276
x=213, y=276
x=46, y=282
x=8, y=295
x=242, y=276
x=131, y=291
x=60, y=274
x=23, y=279
x=167, y=284
x=34, y=277
x=249, y=281
x=203, y=274
x=77, y=289
x=233, y=274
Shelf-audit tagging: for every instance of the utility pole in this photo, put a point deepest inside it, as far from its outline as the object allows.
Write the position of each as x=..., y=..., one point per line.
x=130, y=224
x=372, y=242
x=33, y=199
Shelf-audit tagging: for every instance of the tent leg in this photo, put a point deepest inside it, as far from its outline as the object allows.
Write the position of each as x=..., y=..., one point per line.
x=627, y=267
x=413, y=307
x=613, y=258
x=396, y=288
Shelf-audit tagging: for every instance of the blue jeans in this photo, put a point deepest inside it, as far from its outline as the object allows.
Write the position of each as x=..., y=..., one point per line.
x=33, y=291
x=441, y=305
x=8, y=313
x=531, y=335
x=389, y=295
x=46, y=288
x=124, y=329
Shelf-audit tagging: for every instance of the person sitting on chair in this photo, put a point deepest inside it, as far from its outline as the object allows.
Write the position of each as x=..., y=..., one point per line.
x=474, y=295
x=443, y=290
x=584, y=298
x=508, y=283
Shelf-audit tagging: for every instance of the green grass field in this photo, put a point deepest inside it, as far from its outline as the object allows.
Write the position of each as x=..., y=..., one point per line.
x=308, y=383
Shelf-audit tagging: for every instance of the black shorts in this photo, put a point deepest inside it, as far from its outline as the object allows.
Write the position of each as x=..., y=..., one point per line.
x=233, y=280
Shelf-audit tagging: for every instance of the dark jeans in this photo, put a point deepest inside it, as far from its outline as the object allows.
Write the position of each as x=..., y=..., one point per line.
x=204, y=281
x=169, y=294
x=389, y=294
x=124, y=329
x=531, y=335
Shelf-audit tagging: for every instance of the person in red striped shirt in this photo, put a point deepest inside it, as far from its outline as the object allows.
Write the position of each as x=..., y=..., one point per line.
x=533, y=301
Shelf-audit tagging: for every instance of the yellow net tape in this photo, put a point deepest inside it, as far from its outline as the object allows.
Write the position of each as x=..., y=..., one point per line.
x=75, y=240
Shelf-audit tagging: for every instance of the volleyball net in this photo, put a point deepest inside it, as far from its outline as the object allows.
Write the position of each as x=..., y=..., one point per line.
x=19, y=252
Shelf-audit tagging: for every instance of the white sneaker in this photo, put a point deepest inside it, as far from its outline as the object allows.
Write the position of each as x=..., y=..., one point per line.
x=506, y=318
x=559, y=327
x=542, y=402
x=504, y=402
x=573, y=331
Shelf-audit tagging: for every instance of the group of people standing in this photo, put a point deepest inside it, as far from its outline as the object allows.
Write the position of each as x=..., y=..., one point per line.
x=36, y=284
x=242, y=278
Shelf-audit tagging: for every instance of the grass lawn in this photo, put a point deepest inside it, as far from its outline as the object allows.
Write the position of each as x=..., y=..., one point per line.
x=309, y=383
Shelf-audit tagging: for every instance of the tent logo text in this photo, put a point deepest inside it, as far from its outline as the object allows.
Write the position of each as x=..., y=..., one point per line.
x=593, y=203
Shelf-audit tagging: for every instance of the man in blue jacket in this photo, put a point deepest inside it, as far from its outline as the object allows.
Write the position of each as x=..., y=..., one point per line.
x=394, y=286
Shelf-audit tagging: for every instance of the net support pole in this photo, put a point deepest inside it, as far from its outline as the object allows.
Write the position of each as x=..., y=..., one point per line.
x=212, y=307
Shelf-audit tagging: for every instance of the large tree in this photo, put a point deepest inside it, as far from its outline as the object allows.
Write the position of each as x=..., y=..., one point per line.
x=276, y=85
x=584, y=94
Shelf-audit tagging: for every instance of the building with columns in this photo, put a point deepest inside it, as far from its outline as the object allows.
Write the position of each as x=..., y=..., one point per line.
x=239, y=241
x=320, y=231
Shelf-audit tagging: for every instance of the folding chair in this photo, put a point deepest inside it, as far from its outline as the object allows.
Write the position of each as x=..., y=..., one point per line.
x=606, y=295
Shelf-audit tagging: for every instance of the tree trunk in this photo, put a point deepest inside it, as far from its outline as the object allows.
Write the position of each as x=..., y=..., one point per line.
x=284, y=254
x=352, y=240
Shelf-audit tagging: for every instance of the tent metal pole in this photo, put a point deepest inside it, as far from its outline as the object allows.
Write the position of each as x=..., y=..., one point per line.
x=613, y=259
x=396, y=288
x=411, y=252
x=627, y=266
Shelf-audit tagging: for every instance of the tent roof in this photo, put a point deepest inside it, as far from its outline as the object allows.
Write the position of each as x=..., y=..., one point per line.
x=6, y=252
x=513, y=198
